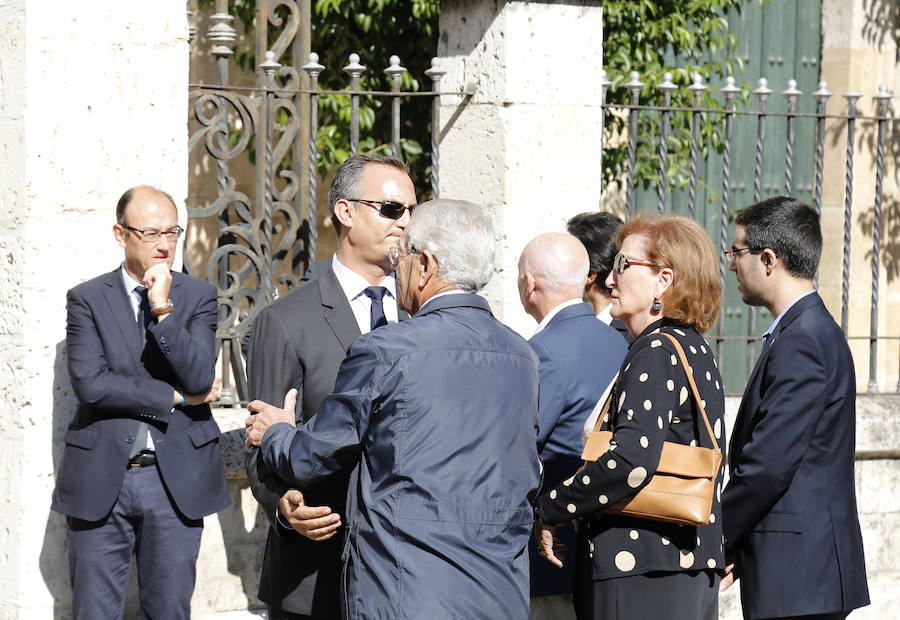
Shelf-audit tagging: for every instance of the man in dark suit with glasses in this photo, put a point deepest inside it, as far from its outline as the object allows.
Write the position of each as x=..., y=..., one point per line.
x=141, y=464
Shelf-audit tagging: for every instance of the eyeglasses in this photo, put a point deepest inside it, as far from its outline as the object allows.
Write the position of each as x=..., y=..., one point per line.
x=395, y=254
x=730, y=254
x=152, y=236
x=622, y=262
x=388, y=208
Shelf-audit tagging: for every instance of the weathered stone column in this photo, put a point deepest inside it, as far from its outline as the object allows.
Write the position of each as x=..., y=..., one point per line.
x=93, y=99
x=527, y=142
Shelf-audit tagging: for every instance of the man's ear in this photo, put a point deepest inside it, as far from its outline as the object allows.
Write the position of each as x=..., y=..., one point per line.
x=343, y=211
x=590, y=280
x=769, y=260
x=530, y=284
x=119, y=233
x=427, y=264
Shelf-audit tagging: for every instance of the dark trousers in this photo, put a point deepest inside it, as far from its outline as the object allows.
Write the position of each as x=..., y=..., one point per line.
x=837, y=615
x=143, y=522
x=690, y=595
x=280, y=614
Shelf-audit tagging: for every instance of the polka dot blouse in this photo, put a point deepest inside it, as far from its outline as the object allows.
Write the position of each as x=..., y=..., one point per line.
x=652, y=403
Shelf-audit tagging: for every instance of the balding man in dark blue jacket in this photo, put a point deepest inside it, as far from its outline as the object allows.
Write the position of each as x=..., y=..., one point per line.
x=579, y=357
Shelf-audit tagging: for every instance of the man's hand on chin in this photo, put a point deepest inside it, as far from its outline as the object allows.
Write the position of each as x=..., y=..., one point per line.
x=264, y=415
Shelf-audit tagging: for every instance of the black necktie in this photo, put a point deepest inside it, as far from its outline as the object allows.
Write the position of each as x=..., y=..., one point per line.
x=143, y=320
x=144, y=315
x=376, y=314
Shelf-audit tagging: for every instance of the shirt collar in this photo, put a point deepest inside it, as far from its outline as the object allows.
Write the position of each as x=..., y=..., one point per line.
x=129, y=282
x=453, y=291
x=354, y=284
x=549, y=316
x=771, y=329
x=605, y=315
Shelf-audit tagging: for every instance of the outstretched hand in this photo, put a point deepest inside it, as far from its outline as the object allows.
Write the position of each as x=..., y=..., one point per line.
x=263, y=415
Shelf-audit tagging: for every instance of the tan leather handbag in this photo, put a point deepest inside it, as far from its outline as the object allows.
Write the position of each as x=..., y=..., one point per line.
x=681, y=490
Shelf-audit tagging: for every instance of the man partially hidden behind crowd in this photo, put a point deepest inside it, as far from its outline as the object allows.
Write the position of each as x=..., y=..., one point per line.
x=436, y=416
x=141, y=465
x=579, y=357
x=789, y=510
x=597, y=232
x=299, y=342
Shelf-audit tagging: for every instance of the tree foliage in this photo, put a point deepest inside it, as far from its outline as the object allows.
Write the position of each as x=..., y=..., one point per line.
x=683, y=37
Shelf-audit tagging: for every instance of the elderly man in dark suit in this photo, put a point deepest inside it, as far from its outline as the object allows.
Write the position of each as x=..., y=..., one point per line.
x=299, y=342
x=436, y=416
x=141, y=465
x=579, y=357
x=789, y=509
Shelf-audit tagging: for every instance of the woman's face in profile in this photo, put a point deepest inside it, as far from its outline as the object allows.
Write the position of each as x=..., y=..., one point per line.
x=632, y=290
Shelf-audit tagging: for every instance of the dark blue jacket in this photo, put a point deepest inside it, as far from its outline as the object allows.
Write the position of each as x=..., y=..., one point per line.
x=438, y=416
x=789, y=508
x=579, y=355
x=121, y=381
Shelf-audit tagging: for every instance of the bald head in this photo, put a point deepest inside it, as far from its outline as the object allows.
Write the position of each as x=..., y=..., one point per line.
x=552, y=269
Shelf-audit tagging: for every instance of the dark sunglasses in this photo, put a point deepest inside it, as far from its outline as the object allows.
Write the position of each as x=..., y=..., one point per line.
x=388, y=208
x=622, y=262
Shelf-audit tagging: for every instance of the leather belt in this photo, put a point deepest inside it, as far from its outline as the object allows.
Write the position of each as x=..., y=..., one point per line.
x=142, y=459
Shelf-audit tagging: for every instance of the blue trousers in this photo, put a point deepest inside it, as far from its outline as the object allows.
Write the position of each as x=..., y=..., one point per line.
x=145, y=523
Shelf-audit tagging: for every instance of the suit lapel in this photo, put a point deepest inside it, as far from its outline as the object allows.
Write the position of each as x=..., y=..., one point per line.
x=123, y=314
x=336, y=309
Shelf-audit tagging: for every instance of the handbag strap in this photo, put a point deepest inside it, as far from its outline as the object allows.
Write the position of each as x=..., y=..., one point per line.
x=690, y=378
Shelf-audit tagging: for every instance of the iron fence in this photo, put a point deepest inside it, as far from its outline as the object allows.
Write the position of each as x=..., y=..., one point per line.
x=263, y=233
x=765, y=117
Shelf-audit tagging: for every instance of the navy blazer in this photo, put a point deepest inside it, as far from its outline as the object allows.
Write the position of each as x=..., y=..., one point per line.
x=789, y=508
x=121, y=380
x=579, y=356
x=437, y=418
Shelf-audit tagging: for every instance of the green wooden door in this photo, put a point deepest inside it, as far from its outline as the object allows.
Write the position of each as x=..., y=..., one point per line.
x=779, y=40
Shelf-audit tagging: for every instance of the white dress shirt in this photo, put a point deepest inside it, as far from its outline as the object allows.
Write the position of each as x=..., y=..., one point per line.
x=354, y=286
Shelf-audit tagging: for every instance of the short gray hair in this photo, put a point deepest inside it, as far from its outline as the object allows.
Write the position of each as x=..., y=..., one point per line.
x=461, y=235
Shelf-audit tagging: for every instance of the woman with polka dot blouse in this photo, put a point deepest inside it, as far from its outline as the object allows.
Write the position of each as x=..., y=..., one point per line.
x=664, y=280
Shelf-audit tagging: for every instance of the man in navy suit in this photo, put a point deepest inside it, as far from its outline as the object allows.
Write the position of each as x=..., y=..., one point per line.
x=789, y=509
x=299, y=342
x=579, y=357
x=141, y=465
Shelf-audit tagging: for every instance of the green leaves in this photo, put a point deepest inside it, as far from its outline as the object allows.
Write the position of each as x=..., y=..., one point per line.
x=653, y=38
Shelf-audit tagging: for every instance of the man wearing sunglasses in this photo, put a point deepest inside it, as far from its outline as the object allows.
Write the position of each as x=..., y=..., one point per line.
x=299, y=342
x=141, y=464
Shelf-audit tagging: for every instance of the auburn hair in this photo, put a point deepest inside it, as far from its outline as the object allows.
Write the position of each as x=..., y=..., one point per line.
x=682, y=245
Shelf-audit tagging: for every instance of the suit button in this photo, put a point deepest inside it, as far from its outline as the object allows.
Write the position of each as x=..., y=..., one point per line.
x=129, y=439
